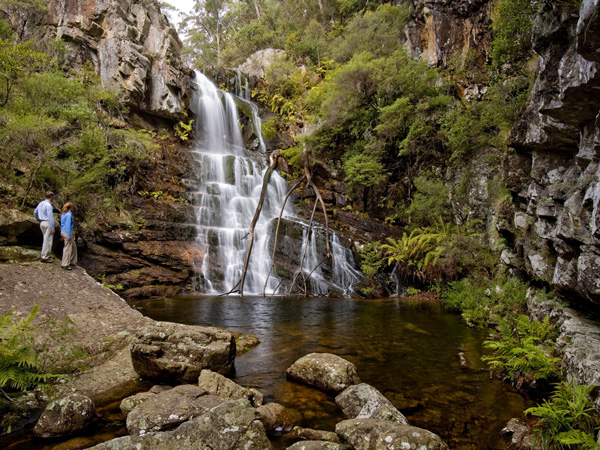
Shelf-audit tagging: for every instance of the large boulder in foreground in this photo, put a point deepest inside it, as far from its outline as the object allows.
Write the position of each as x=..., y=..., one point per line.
x=363, y=401
x=177, y=354
x=169, y=409
x=373, y=434
x=217, y=384
x=325, y=371
x=232, y=425
x=65, y=416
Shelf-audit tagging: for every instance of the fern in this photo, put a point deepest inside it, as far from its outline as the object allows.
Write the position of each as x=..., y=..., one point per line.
x=567, y=420
x=19, y=366
x=524, y=351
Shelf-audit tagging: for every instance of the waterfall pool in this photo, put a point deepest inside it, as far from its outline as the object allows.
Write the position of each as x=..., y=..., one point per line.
x=406, y=348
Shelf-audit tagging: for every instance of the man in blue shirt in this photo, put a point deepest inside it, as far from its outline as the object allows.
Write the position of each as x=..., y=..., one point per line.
x=44, y=213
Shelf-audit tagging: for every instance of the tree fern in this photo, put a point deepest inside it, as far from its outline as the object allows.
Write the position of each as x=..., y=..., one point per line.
x=19, y=366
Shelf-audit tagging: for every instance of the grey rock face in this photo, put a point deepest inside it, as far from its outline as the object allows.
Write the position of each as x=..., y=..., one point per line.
x=325, y=371
x=177, y=354
x=65, y=416
x=363, y=401
x=132, y=46
x=232, y=425
x=221, y=386
x=170, y=409
x=372, y=434
x=559, y=133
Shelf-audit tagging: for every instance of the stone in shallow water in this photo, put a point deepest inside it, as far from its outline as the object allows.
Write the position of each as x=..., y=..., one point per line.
x=363, y=401
x=372, y=434
x=169, y=409
x=318, y=445
x=177, y=354
x=65, y=416
x=219, y=385
x=325, y=371
x=232, y=425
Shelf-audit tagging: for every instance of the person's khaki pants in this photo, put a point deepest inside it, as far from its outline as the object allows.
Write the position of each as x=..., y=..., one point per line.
x=69, y=251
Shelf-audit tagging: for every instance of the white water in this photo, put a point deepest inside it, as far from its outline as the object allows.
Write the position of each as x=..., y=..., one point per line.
x=228, y=185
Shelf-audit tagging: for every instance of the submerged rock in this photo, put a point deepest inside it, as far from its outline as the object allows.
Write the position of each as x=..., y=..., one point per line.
x=232, y=425
x=277, y=418
x=169, y=409
x=318, y=445
x=177, y=353
x=65, y=416
x=363, y=401
x=372, y=434
x=313, y=435
x=325, y=371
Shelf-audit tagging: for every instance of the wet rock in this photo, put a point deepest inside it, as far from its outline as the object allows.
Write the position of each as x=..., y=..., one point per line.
x=309, y=434
x=221, y=386
x=318, y=445
x=325, y=371
x=65, y=416
x=372, y=434
x=177, y=353
x=277, y=418
x=363, y=401
x=519, y=435
x=128, y=404
x=169, y=409
x=232, y=425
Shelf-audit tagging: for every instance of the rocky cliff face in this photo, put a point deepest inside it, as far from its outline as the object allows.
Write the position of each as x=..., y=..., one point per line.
x=554, y=176
x=131, y=44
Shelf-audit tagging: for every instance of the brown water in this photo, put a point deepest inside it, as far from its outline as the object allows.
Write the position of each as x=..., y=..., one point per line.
x=408, y=349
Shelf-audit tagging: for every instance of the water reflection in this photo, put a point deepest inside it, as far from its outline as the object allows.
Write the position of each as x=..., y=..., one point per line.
x=406, y=349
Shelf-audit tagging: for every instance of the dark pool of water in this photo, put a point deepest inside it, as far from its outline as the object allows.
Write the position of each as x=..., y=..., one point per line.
x=408, y=349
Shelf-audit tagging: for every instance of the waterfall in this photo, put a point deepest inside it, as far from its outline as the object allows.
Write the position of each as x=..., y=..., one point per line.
x=226, y=189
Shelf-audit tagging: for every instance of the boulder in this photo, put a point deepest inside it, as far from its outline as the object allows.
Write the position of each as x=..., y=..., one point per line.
x=177, y=353
x=373, y=434
x=217, y=384
x=277, y=418
x=363, y=401
x=128, y=404
x=318, y=445
x=233, y=425
x=519, y=434
x=325, y=371
x=65, y=416
x=169, y=409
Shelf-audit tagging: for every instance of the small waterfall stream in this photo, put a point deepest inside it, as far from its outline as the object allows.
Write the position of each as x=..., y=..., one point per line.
x=226, y=190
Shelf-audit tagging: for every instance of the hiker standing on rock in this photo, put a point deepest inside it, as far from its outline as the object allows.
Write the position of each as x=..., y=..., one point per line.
x=69, y=257
x=43, y=213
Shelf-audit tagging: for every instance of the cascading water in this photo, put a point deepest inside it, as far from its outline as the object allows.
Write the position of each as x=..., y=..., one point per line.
x=228, y=183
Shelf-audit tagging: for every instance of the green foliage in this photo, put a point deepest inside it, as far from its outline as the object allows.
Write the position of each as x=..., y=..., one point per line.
x=512, y=25
x=524, y=351
x=430, y=202
x=381, y=26
x=364, y=170
x=371, y=260
x=567, y=420
x=184, y=130
x=19, y=366
x=482, y=301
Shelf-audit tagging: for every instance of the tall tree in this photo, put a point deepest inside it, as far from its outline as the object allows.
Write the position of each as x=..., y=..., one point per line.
x=207, y=28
